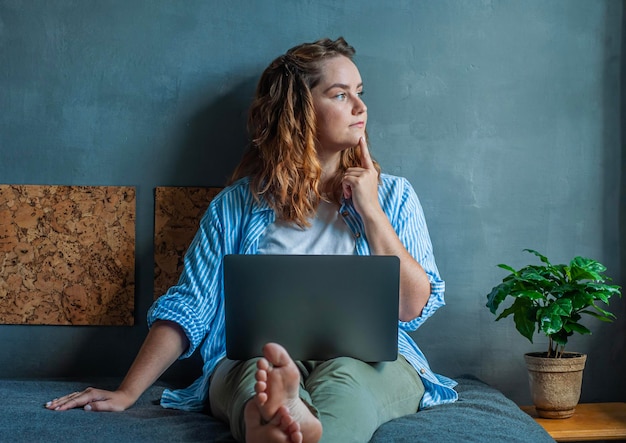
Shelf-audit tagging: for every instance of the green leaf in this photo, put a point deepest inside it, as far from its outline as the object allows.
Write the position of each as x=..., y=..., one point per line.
x=561, y=272
x=508, y=311
x=602, y=296
x=496, y=296
x=576, y=327
x=561, y=306
x=508, y=268
x=543, y=258
x=531, y=294
x=533, y=276
x=551, y=318
x=524, y=317
x=596, y=315
x=588, y=265
x=587, y=269
x=551, y=324
x=612, y=289
x=580, y=300
x=561, y=337
x=604, y=312
x=600, y=291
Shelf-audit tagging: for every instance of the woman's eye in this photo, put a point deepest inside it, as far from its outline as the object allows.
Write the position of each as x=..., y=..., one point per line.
x=360, y=93
x=341, y=96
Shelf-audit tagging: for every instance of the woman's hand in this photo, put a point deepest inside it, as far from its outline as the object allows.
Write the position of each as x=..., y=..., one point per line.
x=165, y=342
x=361, y=184
x=92, y=399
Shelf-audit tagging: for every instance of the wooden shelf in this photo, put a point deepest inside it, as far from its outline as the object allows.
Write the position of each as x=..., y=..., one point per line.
x=591, y=421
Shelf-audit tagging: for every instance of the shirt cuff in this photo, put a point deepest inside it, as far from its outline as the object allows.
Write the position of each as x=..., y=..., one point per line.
x=183, y=316
x=435, y=301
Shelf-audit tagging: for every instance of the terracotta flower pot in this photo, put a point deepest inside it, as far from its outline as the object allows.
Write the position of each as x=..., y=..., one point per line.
x=555, y=383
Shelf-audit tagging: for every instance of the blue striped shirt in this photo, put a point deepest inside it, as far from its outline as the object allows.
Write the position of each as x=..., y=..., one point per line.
x=234, y=224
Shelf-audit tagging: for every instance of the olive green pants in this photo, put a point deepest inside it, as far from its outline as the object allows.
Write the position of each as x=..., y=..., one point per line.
x=351, y=398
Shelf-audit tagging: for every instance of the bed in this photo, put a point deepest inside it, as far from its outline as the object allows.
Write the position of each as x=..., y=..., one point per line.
x=482, y=414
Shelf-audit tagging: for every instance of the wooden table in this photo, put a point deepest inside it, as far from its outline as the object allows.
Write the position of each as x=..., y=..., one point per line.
x=591, y=421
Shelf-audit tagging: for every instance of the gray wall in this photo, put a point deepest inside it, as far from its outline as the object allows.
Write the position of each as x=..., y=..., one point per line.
x=505, y=115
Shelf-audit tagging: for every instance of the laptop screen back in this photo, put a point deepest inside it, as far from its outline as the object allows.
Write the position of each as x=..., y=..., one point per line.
x=317, y=306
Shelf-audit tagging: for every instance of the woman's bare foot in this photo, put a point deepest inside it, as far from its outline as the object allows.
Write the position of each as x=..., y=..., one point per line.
x=278, y=385
x=281, y=429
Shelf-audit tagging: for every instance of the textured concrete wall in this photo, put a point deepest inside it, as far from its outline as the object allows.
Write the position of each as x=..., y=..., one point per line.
x=504, y=115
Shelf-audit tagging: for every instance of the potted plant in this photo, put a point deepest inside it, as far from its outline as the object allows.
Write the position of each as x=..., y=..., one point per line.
x=551, y=299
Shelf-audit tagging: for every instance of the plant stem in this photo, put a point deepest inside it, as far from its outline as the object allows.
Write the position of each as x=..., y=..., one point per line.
x=549, y=347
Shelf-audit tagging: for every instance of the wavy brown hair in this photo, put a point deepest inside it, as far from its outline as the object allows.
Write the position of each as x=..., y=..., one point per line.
x=281, y=159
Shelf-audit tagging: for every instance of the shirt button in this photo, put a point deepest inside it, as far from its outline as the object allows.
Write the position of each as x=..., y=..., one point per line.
x=344, y=213
x=422, y=371
x=357, y=235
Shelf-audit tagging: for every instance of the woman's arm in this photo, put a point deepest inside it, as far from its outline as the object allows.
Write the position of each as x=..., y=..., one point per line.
x=414, y=284
x=361, y=184
x=165, y=342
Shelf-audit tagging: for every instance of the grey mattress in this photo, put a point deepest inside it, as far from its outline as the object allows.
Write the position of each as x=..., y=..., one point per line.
x=482, y=414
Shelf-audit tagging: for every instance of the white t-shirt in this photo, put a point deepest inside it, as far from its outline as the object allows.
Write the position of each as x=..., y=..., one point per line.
x=328, y=234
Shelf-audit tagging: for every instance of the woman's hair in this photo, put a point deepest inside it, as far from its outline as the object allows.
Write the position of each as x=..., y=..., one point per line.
x=281, y=159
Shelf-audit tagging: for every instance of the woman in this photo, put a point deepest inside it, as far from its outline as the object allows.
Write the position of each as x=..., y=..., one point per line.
x=307, y=184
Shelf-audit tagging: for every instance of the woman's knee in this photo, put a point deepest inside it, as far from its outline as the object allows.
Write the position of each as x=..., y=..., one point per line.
x=380, y=384
x=230, y=387
x=342, y=372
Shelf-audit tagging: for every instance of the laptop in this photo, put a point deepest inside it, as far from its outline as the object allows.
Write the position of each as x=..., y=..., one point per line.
x=317, y=306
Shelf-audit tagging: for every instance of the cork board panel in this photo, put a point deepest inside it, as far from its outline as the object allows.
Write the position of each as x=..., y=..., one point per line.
x=67, y=255
x=177, y=214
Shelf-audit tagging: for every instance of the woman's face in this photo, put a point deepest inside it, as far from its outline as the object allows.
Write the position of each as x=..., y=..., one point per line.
x=340, y=112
